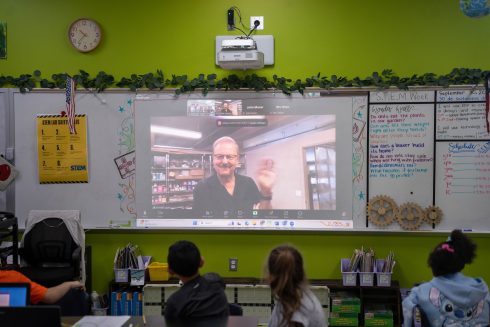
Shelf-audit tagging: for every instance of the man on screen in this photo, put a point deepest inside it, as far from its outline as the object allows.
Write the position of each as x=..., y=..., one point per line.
x=225, y=110
x=228, y=191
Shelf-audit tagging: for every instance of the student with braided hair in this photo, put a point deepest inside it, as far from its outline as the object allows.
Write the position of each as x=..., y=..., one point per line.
x=295, y=304
x=450, y=298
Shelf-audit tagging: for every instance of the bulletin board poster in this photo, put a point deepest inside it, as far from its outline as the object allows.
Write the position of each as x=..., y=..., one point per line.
x=62, y=157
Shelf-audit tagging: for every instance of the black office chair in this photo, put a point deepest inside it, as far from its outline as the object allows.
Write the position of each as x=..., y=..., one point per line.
x=235, y=309
x=51, y=254
x=75, y=302
x=9, y=231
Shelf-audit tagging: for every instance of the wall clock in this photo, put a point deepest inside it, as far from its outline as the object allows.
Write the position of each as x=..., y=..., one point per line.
x=84, y=34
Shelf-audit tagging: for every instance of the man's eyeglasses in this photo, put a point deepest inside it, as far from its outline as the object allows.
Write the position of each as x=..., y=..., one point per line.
x=228, y=157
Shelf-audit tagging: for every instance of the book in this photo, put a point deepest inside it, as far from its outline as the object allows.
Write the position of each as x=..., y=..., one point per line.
x=119, y=307
x=124, y=303
x=128, y=305
x=135, y=304
x=113, y=304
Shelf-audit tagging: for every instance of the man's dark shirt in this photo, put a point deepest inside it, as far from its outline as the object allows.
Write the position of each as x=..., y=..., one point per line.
x=226, y=111
x=209, y=194
x=197, y=299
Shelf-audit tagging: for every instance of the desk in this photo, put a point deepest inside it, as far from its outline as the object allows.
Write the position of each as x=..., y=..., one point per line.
x=151, y=321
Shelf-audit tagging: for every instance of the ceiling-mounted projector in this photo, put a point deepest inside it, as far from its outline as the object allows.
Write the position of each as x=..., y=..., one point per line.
x=244, y=52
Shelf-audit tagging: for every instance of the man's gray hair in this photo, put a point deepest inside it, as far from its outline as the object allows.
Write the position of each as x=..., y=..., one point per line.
x=226, y=139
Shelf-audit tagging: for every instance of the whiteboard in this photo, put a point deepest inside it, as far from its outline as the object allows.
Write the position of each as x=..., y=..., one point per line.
x=429, y=148
x=292, y=124
x=4, y=121
x=463, y=184
x=462, y=180
x=107, y=198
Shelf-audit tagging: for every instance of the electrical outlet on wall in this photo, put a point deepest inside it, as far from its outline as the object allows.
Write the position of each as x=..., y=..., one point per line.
x=260, y=19
x=233, y=264
x=230, y=18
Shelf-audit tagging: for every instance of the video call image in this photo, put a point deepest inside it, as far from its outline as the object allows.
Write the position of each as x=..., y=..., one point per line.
x=230, y=160
x=284, y=164
x=214, y=107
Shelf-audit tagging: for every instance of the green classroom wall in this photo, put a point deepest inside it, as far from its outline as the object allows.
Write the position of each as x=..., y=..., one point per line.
x=321, y=251
x=344, y=37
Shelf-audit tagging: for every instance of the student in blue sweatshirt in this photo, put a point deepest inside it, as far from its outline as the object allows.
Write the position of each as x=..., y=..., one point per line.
x=450, y=298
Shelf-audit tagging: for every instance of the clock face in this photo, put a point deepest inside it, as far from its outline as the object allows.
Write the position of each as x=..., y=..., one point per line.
x=84, y=34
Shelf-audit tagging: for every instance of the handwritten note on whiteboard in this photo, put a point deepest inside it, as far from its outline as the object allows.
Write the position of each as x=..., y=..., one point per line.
x=460, y=117
x=463, y=184
x=401, y=146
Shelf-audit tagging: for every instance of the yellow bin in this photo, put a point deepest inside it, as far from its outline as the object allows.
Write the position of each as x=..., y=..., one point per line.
x=158, y=271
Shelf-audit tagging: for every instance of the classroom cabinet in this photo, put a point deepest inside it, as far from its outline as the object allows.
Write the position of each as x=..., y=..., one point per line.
x=256, y=298
x=251, y=294
x=174, y=177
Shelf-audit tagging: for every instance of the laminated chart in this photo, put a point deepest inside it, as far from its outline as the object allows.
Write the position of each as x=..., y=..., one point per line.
x=62, y=157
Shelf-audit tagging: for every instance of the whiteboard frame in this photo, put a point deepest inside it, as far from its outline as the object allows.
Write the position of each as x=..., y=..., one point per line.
x=9, y=141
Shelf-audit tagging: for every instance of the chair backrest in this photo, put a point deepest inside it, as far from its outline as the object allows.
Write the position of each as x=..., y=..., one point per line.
x=9, y=231
x=419, y=318
x=49, y=241
x=235, y=309
x=75, y=302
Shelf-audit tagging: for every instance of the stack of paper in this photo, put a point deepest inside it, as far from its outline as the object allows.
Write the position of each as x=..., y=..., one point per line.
x=129, y=257
x=389, y=263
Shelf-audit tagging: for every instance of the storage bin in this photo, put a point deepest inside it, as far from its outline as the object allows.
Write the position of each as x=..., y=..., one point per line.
x=382, y=278
x=158, y=271
x=366, y=278
x=137, y=276
x=121, y=275
x=132, y=276
x=99, y=311
x=349, y=278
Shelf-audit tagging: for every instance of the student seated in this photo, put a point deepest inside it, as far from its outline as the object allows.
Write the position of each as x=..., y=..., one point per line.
x=235, y=309
x=70, y=296
x=450, y=298
x=198, y=298
x=296, y=305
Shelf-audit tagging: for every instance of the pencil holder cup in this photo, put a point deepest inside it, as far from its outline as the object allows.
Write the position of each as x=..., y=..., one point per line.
x=99, y=311
x=121, y=275
x=137, y=276
x=349, y=278
x=383, y=279
x=366, y=278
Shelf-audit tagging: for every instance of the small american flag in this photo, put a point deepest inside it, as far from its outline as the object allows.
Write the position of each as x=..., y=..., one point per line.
x=70, y=103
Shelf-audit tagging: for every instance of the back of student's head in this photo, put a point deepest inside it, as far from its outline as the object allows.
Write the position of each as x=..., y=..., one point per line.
x=452, y=255
x=286, y=277
x=184, y=258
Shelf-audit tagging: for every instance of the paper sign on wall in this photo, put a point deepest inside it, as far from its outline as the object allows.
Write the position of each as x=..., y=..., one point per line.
x=62, y=157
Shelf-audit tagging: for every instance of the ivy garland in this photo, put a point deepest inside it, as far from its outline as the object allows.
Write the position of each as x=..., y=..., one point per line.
x=206, y=83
